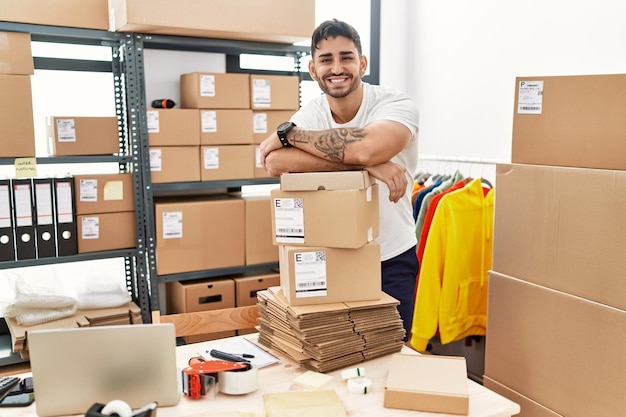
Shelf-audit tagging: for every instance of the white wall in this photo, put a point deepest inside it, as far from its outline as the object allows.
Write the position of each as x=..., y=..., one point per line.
x=459, y=60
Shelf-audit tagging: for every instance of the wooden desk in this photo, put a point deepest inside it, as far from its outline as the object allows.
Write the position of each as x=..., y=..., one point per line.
x=279, y=377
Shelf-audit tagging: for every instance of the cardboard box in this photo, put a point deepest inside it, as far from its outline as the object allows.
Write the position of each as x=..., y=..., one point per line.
x=226, y=127
x=192, y=296
x=429, y=383
x=175, y=164
x=274, y=92
x=16, y=117
x=229, y=162
x=90, y=14
x=173, y=127
x=71, y=135
x=233, y=19
x=529, y=408
x=206, y=233
x=561, y=351
x=260, y=247
x=246, y=286
x=320, y=275
x=104, y=193
x=562, y=228
x=301, y=207
x=265, y=122
x=16, y=57
x=204, y=90
x=106, y=231
x=580, y=122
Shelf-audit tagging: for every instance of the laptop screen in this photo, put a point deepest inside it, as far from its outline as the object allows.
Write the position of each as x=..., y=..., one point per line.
x=75, y=368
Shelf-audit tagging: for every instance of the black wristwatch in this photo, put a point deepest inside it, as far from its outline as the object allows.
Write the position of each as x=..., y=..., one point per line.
x=282, y=131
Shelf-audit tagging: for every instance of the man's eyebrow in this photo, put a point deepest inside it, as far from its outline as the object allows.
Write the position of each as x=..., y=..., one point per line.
x=343, y=53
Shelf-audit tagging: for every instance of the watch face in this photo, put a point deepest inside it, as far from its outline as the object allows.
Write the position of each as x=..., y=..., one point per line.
x=284, y=126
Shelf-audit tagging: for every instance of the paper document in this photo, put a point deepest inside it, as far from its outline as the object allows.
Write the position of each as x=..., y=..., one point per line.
x=240, y=346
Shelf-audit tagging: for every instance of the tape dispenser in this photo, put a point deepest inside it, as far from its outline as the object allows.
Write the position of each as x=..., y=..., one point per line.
x=201, y=375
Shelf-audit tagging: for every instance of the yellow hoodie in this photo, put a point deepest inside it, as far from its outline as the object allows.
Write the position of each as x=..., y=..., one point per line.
x=452, y=289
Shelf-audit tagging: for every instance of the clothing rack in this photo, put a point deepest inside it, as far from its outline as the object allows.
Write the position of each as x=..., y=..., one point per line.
x=447, y=165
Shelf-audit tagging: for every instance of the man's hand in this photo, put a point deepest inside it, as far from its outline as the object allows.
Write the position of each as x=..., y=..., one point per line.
x=393, y=175
x=268, y=145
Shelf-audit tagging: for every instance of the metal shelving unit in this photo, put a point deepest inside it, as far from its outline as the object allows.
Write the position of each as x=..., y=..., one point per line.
x=128, y=159
x=232, y=49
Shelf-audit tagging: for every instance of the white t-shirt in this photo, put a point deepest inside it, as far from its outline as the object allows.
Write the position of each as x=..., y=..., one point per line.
x=397, y=225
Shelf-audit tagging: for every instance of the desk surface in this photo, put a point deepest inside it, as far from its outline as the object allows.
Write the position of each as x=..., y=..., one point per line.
x=279, y=377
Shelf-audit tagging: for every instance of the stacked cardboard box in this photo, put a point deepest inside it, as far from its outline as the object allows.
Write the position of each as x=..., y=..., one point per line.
x=329, y=310
x=105, y=212
x=557, y=296
x=16, y=115
x=234, y=110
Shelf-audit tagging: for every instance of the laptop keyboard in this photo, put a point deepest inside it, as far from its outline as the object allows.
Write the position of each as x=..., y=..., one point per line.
x=7, y=383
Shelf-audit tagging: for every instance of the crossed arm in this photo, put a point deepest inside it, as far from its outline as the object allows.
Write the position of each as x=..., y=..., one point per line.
x=342, y=149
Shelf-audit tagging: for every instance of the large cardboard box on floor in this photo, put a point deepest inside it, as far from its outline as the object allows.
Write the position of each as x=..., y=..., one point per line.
x=232, y=19
x=175, y=164
x=173, y=127
x=274, y=92
x=78, y=135
x=574, y=121
x=559, y=350
x=226, y=127
x=106, y=231
x=563, y=228
x=89, y=14
x=332, y=209
x=431, y=383
x=259, y=245
x=320, y=275
x=201, y=295
x=16, y=117
x=16, y=57
x=199, y=233
x=265, y=122
x=227, y=162
x=529, y=408
x=206, y=90
x=104, y=193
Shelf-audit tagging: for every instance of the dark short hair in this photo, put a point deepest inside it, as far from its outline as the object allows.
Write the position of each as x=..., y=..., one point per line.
x=332, y=29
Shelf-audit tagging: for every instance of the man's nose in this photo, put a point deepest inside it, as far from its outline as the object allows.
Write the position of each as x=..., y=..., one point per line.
x=337, y=68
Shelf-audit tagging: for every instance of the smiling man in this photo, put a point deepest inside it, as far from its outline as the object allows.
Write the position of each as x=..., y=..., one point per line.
x=356, y=125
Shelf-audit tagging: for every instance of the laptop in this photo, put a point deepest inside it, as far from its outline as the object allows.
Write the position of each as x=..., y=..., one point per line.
x=75, y=368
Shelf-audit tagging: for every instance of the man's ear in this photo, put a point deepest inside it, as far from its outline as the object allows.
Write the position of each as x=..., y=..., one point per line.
x=312, y=70
x=363, y=66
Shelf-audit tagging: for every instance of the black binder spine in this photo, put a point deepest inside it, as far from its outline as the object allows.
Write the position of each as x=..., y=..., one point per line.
x=23, y=217
x=65, y=216
x=7, y=236
x=44, y=218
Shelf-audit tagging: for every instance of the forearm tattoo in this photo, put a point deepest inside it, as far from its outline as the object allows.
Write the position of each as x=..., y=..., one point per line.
x=333, y=142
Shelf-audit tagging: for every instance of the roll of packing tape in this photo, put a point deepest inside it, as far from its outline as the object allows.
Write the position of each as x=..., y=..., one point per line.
x=359, y=385
x=118, y=407
x=238, y=382
x=352, y=373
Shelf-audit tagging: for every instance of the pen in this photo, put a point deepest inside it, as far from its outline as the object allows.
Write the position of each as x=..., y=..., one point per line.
x=230, y=357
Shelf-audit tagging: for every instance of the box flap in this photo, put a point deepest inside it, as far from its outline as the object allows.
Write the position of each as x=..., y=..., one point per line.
x=312, y=181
